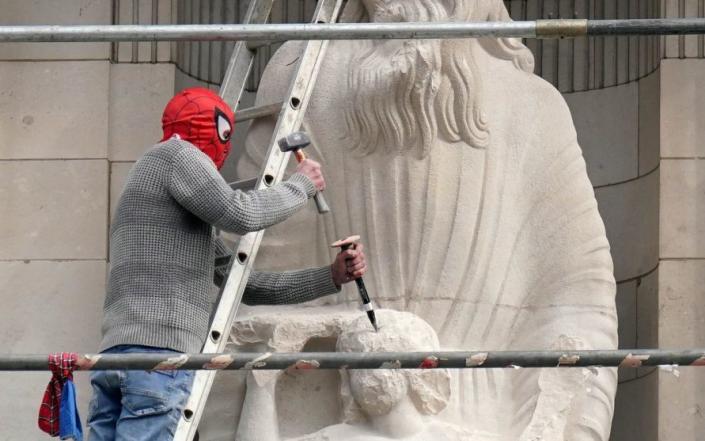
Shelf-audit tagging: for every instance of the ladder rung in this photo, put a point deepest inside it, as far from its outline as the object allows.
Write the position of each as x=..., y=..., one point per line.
x=258, y=112
x=245, y=184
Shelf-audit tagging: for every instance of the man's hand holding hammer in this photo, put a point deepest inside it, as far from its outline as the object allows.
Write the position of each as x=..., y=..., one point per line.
x=312, y=170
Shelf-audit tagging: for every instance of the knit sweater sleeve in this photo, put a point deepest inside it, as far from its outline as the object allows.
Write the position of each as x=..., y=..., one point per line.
x=276, y=288
x=222, y=260
x=196, y=184
x=289, y=287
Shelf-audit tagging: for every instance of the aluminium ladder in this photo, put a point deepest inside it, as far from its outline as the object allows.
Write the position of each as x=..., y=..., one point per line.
x=291, y=115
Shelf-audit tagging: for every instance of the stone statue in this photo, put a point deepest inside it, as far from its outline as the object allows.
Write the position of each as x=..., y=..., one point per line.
x=461, y=171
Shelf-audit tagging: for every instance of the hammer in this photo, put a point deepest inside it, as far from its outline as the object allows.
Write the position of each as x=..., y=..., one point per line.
x=295, y=142
x=344, y=244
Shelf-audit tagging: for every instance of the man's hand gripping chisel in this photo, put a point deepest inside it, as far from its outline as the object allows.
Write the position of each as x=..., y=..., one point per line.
x=344, y=244
x=295, y=142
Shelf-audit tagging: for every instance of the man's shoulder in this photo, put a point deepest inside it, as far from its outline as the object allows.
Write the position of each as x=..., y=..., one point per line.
x=170, y=152
x=167, y=149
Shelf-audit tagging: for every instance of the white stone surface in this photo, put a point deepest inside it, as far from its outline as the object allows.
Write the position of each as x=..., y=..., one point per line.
x=463, y=176
x=681, y=326
x=681, y=304
x=47, y=307
x=680, y=405
x=682, y=108
x=138, y=94
x=47, y=12
x=53, y=209
x=631, y=214
x=607, y=122
x=53, y=109
x=682, y=214
x=649, y=122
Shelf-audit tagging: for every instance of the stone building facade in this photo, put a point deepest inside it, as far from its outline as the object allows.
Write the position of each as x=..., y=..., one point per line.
x=74, y=117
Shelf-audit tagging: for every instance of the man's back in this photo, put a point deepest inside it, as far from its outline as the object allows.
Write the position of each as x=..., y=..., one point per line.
x=159, y=280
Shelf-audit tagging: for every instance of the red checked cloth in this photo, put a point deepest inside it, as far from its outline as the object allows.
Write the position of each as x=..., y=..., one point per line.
x=62, y=366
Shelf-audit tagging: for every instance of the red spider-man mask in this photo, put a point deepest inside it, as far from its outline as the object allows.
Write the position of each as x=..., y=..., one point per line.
x=202, y=118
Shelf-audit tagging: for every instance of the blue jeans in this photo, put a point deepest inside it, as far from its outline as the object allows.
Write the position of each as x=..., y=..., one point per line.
x=137, y=405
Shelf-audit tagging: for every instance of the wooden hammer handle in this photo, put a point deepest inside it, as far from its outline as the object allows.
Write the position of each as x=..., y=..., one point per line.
x=300, y=155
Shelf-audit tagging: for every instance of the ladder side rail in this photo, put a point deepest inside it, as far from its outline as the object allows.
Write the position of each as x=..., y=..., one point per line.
x=235, y=78
x=290, y=119
x=242, y=59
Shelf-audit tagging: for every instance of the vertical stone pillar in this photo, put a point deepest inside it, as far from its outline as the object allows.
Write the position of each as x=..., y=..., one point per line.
x=682, y=282
x=682, y=219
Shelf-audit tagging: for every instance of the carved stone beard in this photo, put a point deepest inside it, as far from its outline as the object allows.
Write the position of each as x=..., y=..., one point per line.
x=404, y=95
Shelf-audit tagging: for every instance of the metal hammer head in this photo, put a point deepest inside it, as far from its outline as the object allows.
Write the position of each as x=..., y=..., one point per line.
x=294, y=141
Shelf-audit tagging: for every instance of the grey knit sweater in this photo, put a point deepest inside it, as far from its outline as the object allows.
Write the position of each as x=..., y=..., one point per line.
x=162, y=248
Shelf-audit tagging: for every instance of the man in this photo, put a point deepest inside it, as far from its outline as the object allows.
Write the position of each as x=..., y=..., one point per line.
x=162, y=251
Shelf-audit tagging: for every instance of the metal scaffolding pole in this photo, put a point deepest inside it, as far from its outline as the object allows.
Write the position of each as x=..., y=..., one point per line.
x=370, y=360
x=353, y=31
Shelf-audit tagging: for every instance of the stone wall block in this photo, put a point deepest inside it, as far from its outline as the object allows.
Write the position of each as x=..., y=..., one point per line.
x=681, y=404
x=681, y=326
x=53, y=109
x=682, y=212
x=138, y=94
x=46, y=12
x=681, y=305
x=607, y=124
x=53, y=209
x=647, y=311
x=683, y=108
x=649, y=122
x=47, y=307
x=631, y=215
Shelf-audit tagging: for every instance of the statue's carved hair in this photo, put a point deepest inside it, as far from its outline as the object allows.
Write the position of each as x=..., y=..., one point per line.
x=405, y=95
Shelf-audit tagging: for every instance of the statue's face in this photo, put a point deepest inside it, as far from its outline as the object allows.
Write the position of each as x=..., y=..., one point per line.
x=377, y=391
